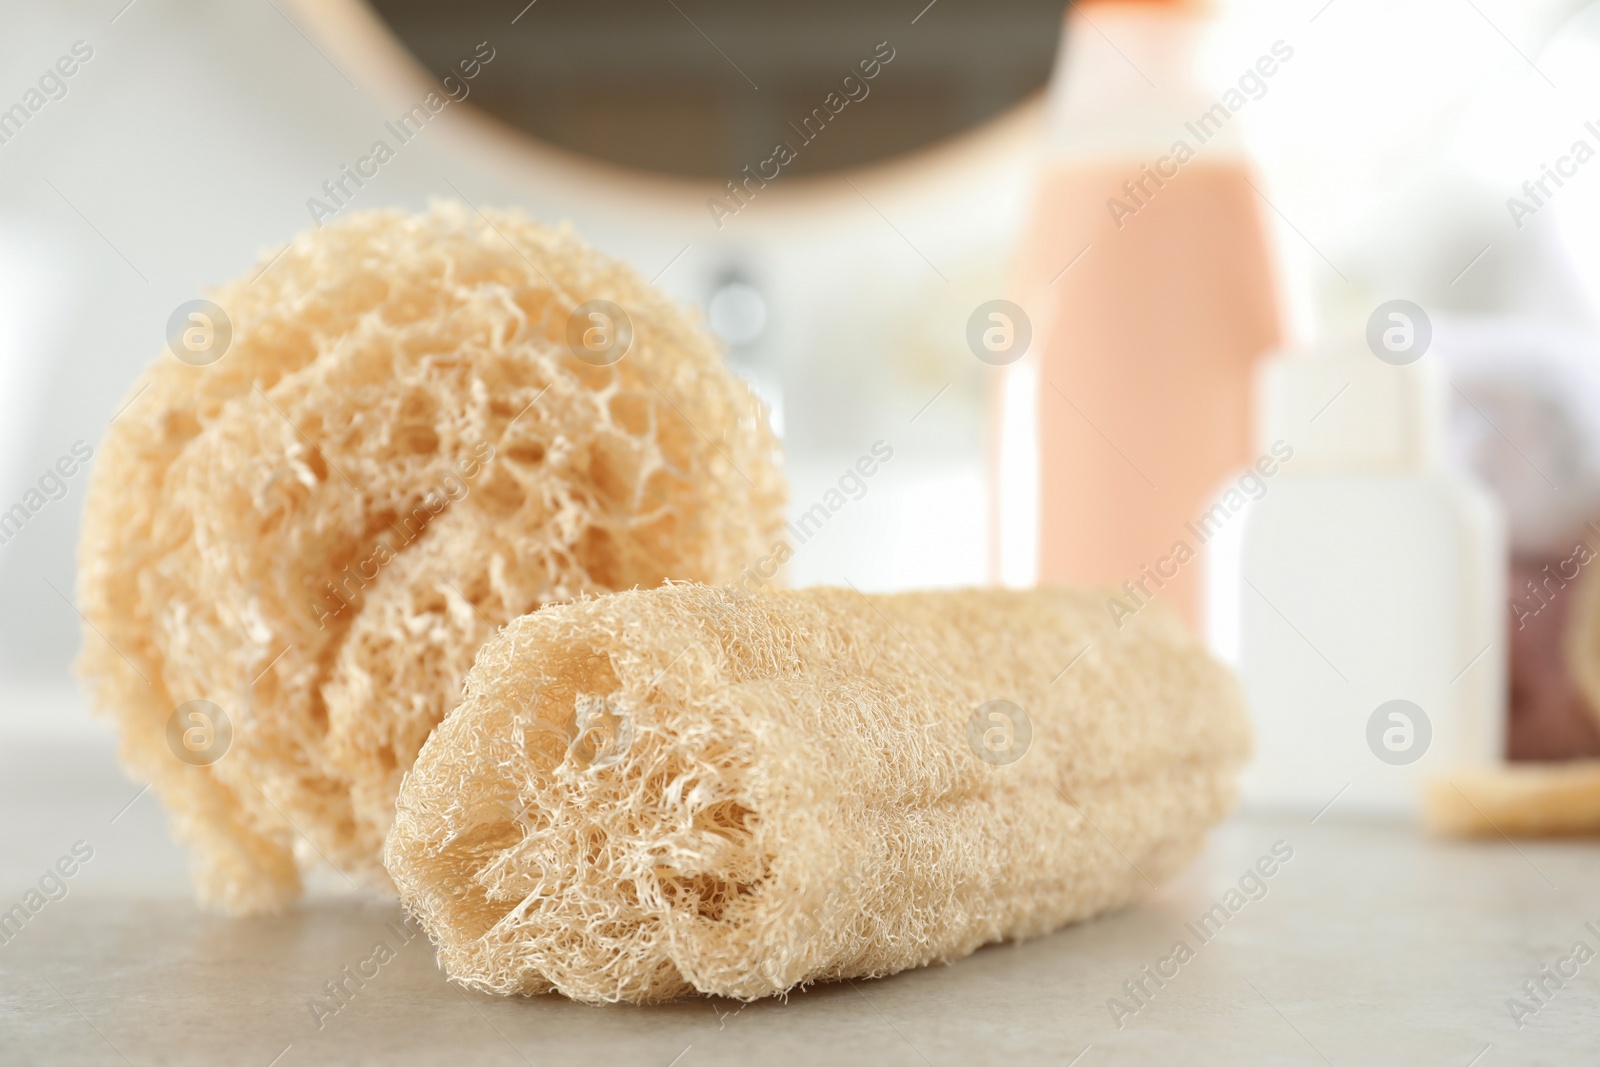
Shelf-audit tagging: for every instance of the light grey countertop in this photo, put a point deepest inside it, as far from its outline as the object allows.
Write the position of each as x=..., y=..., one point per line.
x=1372, y=945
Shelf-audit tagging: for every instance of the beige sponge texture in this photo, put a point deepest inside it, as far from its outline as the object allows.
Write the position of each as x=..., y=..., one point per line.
x=399, y=452
x=688, y=789
x=1516, y=800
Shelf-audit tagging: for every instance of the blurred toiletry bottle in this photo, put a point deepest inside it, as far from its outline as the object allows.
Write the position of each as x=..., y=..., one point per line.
x=1526, y=420
x=1145, y=273
x=1357, y=582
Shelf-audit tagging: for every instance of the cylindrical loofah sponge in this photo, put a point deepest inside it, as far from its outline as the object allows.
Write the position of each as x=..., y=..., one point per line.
x=696, y=789
x=400, y=451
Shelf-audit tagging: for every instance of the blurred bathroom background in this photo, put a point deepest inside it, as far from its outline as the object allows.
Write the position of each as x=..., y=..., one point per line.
x=193, y=137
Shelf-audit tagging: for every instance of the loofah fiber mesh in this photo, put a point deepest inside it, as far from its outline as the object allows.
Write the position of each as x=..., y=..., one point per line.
x=1515, y=800
x=398, y=454
x=689, y=789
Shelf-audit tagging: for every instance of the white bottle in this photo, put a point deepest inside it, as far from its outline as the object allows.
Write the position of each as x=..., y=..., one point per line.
x=1361, y=594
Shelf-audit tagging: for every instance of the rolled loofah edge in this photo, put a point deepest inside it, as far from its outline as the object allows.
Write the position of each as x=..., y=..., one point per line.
x=292, y=532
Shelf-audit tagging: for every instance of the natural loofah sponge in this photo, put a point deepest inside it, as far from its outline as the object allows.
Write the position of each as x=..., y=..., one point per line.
x=696, y=789
x=1523, y=799
x=400, y=451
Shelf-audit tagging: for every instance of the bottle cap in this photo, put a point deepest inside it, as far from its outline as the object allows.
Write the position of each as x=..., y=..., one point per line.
x=1343, y=410
x=1201, y=6
x=1125, y=83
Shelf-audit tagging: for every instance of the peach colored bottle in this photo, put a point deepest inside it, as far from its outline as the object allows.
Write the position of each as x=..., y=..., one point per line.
x=1145, y=273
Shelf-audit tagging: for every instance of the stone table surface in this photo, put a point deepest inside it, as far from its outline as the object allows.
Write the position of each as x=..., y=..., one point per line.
x=1372, y=944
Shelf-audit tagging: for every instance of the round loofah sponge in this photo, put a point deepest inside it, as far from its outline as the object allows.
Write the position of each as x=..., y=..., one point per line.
x=696, y=789
x=400, y=451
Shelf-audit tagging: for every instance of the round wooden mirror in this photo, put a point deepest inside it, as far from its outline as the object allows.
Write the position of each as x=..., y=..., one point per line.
x=701, y=88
